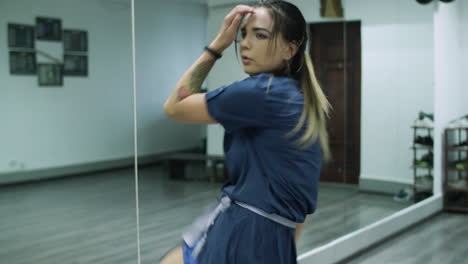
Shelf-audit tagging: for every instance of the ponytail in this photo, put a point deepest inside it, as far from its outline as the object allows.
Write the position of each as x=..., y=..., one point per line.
x=290, y=23
x=315, y=112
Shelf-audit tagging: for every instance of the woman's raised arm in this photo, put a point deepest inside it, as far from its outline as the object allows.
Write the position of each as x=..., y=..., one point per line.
x=186, y=103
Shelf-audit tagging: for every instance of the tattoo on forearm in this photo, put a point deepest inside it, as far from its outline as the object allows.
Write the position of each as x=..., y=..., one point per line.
x=198, y=76
x=183, y=92
x=194, y=80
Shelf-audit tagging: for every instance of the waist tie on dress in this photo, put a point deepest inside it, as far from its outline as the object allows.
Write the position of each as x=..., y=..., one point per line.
x=274, y=217
x=195, y=236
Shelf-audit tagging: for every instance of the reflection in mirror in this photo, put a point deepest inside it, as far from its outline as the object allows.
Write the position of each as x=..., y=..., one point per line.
x=67, y=190
x=174, y=185
x=387, y=106
x=375, y=70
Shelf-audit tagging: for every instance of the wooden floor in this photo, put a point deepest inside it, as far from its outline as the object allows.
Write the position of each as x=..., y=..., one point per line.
x=92, y=219
x=441, y=239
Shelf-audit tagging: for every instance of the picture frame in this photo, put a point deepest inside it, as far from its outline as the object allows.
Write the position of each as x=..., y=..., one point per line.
x=75, y=65
x=49, y=74
x=48, y=29
x=22, y=62
x=75, y=40
x=20, y=36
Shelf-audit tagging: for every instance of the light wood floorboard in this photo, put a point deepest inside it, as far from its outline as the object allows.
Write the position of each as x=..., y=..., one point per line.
x=92, y=219
x=441, y=239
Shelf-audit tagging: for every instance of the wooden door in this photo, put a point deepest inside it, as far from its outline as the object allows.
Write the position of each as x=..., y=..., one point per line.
x=338, y=67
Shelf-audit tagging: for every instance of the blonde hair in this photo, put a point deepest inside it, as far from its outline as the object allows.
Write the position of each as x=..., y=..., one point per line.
x=290, y=23
x=315, y=112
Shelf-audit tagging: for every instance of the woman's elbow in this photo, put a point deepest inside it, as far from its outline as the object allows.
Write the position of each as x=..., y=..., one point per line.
x=169, y=111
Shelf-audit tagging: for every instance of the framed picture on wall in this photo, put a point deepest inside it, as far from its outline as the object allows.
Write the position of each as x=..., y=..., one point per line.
x=75, y=65
x=49, y=74
x=75, y=40
x=48, y=29
x=22, y=62
x=20, y=36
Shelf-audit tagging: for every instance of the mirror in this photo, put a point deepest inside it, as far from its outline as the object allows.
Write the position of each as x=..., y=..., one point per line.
x=377, y=75
x=169, y=36
x=387, y=105
x=67, y=189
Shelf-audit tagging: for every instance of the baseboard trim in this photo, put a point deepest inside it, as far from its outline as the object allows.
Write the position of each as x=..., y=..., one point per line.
x=381, y=186
x=359, y=240
x=89, y=167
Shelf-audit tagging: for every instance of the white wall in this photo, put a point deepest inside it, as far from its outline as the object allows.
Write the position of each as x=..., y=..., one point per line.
x=397, y=82
x=449, y=36
x=89, y=118
x=170, y=35
x=464, y=36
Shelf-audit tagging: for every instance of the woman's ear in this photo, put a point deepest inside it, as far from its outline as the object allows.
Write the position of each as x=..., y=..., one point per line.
x=290, y=50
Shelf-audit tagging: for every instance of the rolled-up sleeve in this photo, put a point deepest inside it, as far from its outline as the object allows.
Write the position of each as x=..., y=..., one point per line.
x=239, y=105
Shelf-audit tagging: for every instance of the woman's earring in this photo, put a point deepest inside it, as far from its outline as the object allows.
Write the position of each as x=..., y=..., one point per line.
x=288, y=67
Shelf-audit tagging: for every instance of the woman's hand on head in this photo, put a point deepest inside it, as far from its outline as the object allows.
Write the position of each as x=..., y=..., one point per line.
x=228, y=30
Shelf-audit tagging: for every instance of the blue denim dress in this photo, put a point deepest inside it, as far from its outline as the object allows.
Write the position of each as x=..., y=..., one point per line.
x=266, y=171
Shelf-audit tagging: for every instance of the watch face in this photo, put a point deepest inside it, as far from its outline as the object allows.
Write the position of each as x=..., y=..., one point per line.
x=20, y=36
x=48, y=29
x=22, y=62
x=49, y=74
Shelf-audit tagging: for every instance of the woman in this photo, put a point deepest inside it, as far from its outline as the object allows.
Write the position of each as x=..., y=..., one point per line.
x=275, y=139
